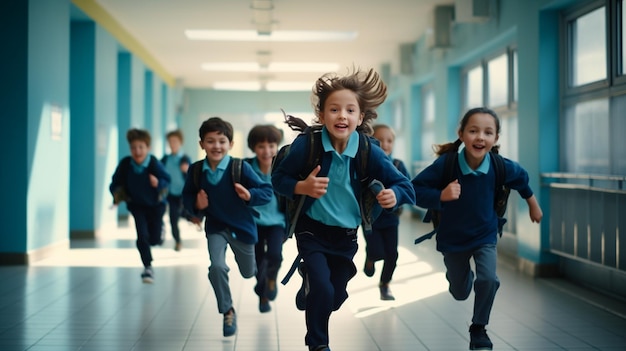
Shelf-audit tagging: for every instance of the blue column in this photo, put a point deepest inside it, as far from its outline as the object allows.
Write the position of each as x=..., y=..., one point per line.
x=35, y=128
x=94, y=143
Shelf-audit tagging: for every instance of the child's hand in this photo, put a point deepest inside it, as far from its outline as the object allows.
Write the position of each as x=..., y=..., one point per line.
x=242, y=192
x=386, y=198
x=313, y=185
x=184, y=167
x=534, y=210
x=154, y=181
x=202, y=200
x=451, y=192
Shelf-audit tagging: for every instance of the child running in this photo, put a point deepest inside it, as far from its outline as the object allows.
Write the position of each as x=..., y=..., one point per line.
x=263, y=140
x=382, y=243
x=468, y=226
x=210, y=191
x=327, y=226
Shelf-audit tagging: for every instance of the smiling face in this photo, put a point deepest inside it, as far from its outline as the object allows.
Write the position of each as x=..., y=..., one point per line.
x=386, y=137
x=216, y=146
x=478, y=135
x=341, y=116
x=265, y=152
x=139, y=150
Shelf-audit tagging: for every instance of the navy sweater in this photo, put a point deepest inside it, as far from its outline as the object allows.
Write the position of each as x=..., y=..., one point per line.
x=226, y=210
x=470, y=221
x=379, y=166
x=137, y=185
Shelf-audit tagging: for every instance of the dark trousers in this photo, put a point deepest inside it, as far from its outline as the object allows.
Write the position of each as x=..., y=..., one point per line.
x=268, y=253
x=149, y=225
x=382, y=243
x=327, y=253
x=175, y=210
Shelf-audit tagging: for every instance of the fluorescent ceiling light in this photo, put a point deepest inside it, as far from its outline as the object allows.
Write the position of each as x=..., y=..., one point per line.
x=321, y=67
x=240, y=86
x=277, y=35
x=258, y=86
x=288, y=86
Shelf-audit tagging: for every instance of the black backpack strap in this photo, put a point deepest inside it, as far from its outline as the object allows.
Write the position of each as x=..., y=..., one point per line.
x=235, y=169
x=498, y=164
x=197, y=173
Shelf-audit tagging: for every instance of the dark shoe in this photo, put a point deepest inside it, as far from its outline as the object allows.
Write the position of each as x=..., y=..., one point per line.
x=148, y=275
x=369, y=268
x=230, y=323
x=478, y=338
x=272, y=289
x=178, y=246
x=304, y=289
x=385, y=292
x=319, y=348
x=264, y=305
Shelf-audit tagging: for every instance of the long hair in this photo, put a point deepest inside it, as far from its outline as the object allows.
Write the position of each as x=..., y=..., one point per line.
x=454, y=146
x=369, y=88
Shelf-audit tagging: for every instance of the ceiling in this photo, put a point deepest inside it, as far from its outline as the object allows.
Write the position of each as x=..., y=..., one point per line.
x=382, y=26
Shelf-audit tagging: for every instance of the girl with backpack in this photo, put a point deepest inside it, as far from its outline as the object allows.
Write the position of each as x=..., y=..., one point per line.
x=327, y=224
x=468, y=223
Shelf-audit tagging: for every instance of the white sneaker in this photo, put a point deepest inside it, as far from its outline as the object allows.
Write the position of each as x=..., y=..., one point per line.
x=147, y=276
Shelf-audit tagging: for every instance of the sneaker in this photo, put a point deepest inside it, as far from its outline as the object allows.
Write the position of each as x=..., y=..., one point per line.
x=319, y=348
x=264, y=305
x=304, y=289
x=230, y=322
x=478, y=338
x=178, y=246
x=385, y=292
x=272, y=289
x=148, y=275
x=369, y=268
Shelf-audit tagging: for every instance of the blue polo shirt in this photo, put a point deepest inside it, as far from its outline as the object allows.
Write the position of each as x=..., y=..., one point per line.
x=338, y=207
x=269, y=214
x=213, y=177
x=138, y=168
x=172, y=165
x=466, y=169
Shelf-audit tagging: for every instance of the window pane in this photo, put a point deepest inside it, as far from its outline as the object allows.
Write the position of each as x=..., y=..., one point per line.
x=515, y=81
x=589, y=54
x=586, y=138
x=474, y=94
x=498, y=73
x=618, y=130
x=508, y=137
x=428, y=124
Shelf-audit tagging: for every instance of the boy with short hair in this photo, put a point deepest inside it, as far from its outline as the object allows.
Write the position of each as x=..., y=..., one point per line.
x=211, y=192
x=176, y=164
x=142, y=181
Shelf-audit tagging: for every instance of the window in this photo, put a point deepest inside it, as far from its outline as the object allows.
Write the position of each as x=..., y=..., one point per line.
x=428, y=123
x=498, y=81
x=474, y=87
x=593, y=122
x=588, y=37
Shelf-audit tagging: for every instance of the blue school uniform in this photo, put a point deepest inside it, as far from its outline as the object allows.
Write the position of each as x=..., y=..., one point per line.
x=326, y=230
x=172, y=164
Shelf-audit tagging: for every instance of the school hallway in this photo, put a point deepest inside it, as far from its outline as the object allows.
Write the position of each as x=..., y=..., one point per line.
x=92, y=298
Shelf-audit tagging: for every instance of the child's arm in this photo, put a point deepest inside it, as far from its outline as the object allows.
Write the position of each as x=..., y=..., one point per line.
x=257, y=192
x=398, y=190
x=426, y=185
x=534, y=210
x=194, y=198
x=313, y=185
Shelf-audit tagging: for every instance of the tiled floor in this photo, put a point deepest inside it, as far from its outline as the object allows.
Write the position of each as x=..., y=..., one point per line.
x=92, y=298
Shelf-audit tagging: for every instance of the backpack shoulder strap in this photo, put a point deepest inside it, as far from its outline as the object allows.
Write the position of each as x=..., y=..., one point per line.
x=448, y=170
x=363, y=157
x=197, y=173
x=498, y=165
x=235, y=169
x=315, y=150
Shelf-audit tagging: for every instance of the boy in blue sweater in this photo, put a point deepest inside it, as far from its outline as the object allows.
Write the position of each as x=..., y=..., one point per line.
x=327, y=226
x=468, y=226
x=228, y=211
x=176, y=164
x=142, y=181
x=263, y=140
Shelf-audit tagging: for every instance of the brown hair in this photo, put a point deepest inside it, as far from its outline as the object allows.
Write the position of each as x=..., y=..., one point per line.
x=454, y=146
x=369, y=88
x=266, y=132
x=175, y=133
x=138, y=134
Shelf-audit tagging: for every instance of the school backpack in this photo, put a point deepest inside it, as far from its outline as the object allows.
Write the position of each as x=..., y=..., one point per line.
x=501, y=192
x=120, y=194
x=235, y=171
x=369, y=188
